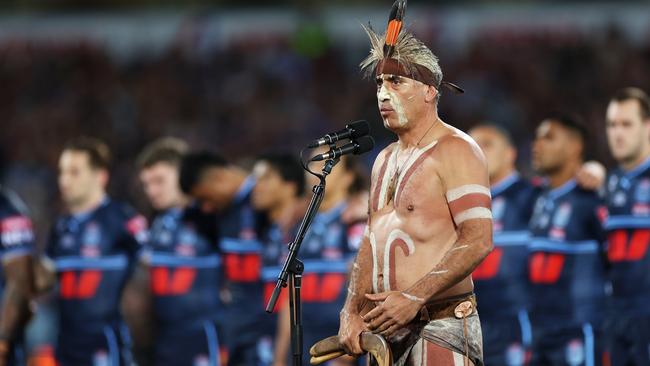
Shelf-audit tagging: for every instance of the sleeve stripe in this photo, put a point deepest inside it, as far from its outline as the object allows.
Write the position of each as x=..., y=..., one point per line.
x=473, y=213
x=456, y=193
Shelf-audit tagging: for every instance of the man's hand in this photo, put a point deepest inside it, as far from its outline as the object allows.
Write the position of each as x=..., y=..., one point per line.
x=350, y=332
x=396, y=311
x=591, y=175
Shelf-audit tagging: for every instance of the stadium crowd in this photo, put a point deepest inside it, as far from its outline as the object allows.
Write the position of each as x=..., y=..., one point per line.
x=199, y=266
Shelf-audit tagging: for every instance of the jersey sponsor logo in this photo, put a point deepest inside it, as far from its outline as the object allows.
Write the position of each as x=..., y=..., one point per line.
x=515, y=355
x=137, y=226
x=489, y=268
x=242, y=267
x=498, y=208
x=545, y=268
x=628, y=247
x=91, y=240
x=355, y=235
x=642, y=192
x=187, y=240
x=100, y=358
x=642, y=198
x=16, y=230
x=172, y=282
x=201, y=360
x=82, y=285
x=322, y=287
x=619, y=199
x=575, y=353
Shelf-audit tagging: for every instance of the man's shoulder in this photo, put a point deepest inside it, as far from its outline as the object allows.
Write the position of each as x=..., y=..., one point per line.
x=456, y=146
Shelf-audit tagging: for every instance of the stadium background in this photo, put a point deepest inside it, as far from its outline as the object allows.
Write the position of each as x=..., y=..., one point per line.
x=248, y=77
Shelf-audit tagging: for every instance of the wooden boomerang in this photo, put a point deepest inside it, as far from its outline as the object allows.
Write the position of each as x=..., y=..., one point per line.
x=330, y=348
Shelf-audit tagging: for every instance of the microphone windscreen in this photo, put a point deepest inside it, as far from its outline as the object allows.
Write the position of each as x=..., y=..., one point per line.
x=365, y=143
x=359, y=128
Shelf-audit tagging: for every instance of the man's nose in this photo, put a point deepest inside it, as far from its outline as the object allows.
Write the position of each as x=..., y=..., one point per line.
x=383, y=95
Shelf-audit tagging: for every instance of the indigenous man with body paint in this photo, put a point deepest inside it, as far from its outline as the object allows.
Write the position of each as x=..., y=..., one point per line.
x=430, y=222
x=566, y=265
x=502, y=279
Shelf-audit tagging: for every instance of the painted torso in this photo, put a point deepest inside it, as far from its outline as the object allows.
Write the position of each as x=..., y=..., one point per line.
x=410, y=226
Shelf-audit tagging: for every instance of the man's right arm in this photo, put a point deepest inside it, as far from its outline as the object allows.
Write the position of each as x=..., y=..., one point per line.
x=360, y=284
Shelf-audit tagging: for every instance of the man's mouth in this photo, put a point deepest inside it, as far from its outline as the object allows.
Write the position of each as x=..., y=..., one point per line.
x=385, y=110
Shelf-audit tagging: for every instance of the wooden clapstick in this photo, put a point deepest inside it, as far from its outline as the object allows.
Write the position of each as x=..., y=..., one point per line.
x=330, y=348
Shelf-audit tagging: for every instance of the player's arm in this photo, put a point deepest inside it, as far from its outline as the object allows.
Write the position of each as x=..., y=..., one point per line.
x=18, y=291
x=137, y=298
x=17, y=243
x=468, y=198
x=45, y=267
x=137, y=305
x=282, y=336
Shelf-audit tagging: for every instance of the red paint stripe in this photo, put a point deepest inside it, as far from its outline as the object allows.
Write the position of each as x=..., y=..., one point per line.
x=380, y=182
x=468, y=201
x=411, y=171
x=398, y=243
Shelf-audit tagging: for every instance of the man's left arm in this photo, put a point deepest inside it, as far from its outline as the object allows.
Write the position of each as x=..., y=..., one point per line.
x=468, y=196
x=17, y=245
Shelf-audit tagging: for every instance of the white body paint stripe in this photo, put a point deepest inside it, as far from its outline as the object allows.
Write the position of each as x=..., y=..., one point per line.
x=412, y=159
x=394, y=235
x=473, y=213
x=459, y=360
x=456, y=193
x=375, y=280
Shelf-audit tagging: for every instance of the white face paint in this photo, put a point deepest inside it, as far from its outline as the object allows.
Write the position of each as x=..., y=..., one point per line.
x=386, y=96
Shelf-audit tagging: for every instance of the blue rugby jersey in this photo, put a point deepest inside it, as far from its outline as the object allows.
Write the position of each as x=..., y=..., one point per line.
x=16, y=234
x=242, y=263
x=16, y=240
x=566, y=267
x=628, y=237
x=501, y=280
x=185, y=268
x=93, y=254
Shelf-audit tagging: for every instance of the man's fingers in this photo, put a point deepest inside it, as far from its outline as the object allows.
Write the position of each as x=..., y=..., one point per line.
x=378, y=321
x=383, y=326
x=388, y=332
x=378, y=297
x=372, y=314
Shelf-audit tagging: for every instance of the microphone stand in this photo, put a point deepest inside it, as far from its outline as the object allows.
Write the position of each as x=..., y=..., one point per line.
x=293, y=267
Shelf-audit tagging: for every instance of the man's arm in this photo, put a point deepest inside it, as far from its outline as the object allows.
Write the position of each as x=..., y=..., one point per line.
x=18, y=291
x=138, y=314
x=360, y=284
x=468, y=196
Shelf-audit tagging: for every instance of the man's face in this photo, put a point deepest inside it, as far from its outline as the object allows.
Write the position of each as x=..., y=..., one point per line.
x=400, y=100
x=498, y=151
x=270, y=188
x=627, y=132
x=212, y=190
x=553, y=147
x=160, y=184
x=77, y=179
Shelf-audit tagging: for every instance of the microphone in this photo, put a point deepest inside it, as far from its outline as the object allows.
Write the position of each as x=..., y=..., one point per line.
x=356, y=147
x=352, y=131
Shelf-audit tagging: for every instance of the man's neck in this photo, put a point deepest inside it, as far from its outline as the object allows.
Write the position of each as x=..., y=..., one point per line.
x=631, y=164
x=501, y=176
x=332, y=199
x=563, y=175
x=284, y=214
x=239, y=177
x=179, y=203
x=416, y=134
x=88, y=205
